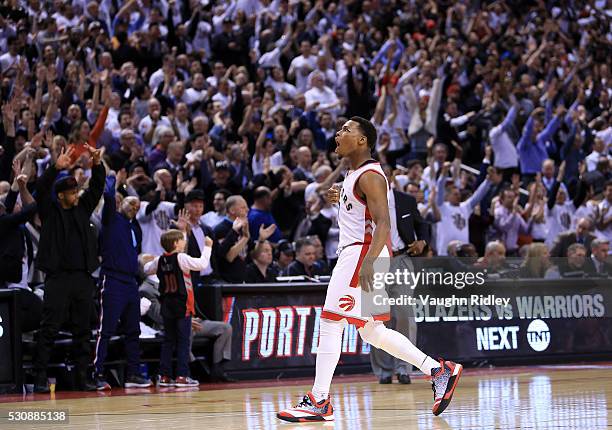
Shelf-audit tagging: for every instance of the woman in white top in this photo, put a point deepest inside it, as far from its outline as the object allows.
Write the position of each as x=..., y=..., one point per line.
x=539, y=227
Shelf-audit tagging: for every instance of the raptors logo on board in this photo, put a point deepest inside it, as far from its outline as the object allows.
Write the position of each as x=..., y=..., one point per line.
x=347, y=303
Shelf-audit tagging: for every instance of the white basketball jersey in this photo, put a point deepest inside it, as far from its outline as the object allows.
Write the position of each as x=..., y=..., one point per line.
x=354, y=219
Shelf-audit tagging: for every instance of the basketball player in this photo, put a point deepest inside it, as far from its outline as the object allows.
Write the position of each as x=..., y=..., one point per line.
x=364, y=225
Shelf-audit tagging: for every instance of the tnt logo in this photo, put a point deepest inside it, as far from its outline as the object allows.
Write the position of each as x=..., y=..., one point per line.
x=347, y=303
x=538, y=335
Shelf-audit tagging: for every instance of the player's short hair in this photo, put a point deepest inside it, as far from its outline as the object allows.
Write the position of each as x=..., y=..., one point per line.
x=368, y=130
x=169, y=239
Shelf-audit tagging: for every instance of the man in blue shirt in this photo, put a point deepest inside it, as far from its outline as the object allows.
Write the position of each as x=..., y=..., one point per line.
x=535, y=144
x=260, y=215
x=120, y=243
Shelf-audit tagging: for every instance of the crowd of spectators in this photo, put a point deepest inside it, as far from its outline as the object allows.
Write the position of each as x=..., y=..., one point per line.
x=220, y=116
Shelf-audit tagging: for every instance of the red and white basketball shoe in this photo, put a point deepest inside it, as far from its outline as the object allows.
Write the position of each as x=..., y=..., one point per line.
x=443, y=383
x=308, y=410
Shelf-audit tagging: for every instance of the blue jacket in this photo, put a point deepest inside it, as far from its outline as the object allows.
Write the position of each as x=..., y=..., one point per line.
x=257, y=218
x=120, y=240
x=532, y=154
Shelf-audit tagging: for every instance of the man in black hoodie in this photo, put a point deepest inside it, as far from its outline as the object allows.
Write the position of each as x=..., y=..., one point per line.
x=68, y=255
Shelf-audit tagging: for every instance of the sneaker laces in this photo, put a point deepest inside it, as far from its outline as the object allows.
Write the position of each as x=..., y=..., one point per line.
x=305, y=402
x=430, y=377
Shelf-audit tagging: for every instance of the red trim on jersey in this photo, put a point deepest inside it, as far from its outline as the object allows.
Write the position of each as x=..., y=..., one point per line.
x=367, y=229
x=357, y=181
x=355, y=278
x=358, y=322
x=190, y=303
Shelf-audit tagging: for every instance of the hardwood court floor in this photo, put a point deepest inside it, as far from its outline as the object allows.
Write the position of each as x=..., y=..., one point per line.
x=542, y=397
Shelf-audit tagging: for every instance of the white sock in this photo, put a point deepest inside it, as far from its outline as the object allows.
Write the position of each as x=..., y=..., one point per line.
x=398, y=345
x=328, y=354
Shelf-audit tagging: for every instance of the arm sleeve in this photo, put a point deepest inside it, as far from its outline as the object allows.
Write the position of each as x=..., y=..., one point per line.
x=381, y=52
x=459, y=121
x=99, y=127
x=10, y=200
x=13, y=220
x=434, y=106
x=503, y=221
x=555, y=250
x=568, y=143
x=43, y=189
x=151, y=267
x=403, y=80
x=153, y=204
x=440, y=188
x=421, y=227
x=479, y=194
x=552, y=195
x=91, y=197
x=550, y=129
x=227, y=242
x=510, y=117
x=581, y=194
x=526, y=136
x=110, y=204
x=188, y=263
x=483, y=172
x=154, y=311
x=411, y=100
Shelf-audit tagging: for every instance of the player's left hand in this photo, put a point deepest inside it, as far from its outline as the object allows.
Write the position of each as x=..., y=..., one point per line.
x=366, y=275
x=416, y=247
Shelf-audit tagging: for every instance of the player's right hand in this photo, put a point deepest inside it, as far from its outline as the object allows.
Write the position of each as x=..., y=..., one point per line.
x=333, y=194
x=366, y=275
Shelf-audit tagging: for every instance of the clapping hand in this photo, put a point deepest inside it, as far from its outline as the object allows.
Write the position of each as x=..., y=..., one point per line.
x=416, y=247
x=237, y=226
x=266, y=232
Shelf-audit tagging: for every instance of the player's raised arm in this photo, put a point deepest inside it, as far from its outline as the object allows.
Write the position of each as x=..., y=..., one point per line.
x=374, y=188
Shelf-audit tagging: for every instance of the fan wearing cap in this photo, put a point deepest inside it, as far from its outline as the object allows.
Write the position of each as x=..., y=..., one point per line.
x=198, y=231
x=219, y=179
x=120, y=244
x=220, y=332
x=68, y=254
x=285, y=254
